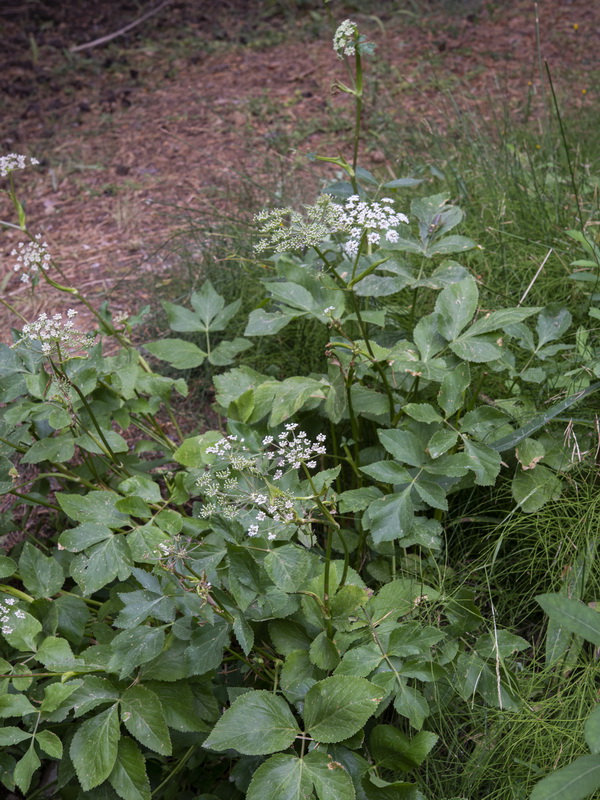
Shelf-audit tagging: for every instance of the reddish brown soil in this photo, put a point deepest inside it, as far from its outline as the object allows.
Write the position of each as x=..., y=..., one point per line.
x=172, y=114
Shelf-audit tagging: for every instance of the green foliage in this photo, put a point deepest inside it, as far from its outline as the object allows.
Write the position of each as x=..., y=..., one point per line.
x=280, y=594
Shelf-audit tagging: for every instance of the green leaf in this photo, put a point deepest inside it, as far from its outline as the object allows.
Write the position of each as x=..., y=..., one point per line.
x=92, y=507
x=54, y=448
x=84, y=536
x=422, y=412
x=330, y=779
x=456, y=306
x=410, y=703
x=205, y=650
x=403, y=445
x=298, y=674
x=323, y=652
x=24, y=631
x=529, y=453
x=182, y=319
x=102, y=564
x=94, y=445
x=591, y=730
x=226, y=352
x=42, y=575
x=264, y=323
x=50, y=743
x=338, y=707
x=208, y=304
x=287, y=566
x=257, y=723
x=180, y=707
x=134, y=647
x=15, y=705
x=94, y=748
x=25, y=768
x=450, y=244
x=387, y=472
x=142, y=715
x=534, y=489
x=551, y=324
x=391, y=517
x=441, y=442
x=177, y=352
x=452, y=389
x=291, y=395
x=56, y=693
x=393, y=750
x=484, y=462
x=357, y=499
x=192, y=451
x=398, y=598
x=575, y=781
x=11, y=735
x=477, y=349
x=7, y=566
x=281, y=777
x=572, y=615
x=128, y=778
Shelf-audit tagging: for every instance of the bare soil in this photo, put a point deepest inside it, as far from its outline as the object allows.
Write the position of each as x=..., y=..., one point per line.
x=173, y=118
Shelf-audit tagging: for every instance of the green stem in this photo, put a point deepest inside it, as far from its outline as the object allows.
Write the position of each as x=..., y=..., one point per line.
x=177, y=768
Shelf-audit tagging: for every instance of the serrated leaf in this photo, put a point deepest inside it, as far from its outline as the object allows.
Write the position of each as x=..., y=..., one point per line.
x=452, y=389
x=390, y=517
x=50, y=743
x=281, y=777
x=7, y=566
x=403, y=445
x=181, y=709
x=142, y=715
x=101, y=564
x=15, y=705
x=53, y=448
x=483, y=461
x=257, y=723
x=128, y=777
x=94, y=748
x=182, y=319
x=83, y=536
x=534, y=489
x=330, y=779
x=205, y=650
x=11, y=735
x=456, y=305
x=338, y=707
x=298, y=674
x=287, y=566
x=134, y=647
x=422, y=412
x=92, y=507
x=323, y=653
x=42, y=575
x=591, y=730
x=393, y=750
x=23, y=631
x=208, y=304
x=410, y=703
x=226, y=352
x=290, y=395
x=25, y=768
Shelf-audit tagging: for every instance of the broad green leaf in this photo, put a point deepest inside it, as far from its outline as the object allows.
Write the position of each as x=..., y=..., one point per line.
x=225, y=353
x=101, y=564
x=478, y=349
x=128, y=778
x=591, y=730
x=403, y=445
x=7, y=566
x=208, y=304
x=456, y=305
x=205, y=650
x=441, y=442
x=391, y=517
x=338, y=707
x=499, y=644
x=177, y=352
x=357, y=499
x=135, y=507
x=92, y=693
x=257, y=723
x=410, y=703
x=49, y=743
x=375, y=788
x=288, y=636
x=387, y=472
x=360, y=661
x=330, y=779
x=398, y=598
x=534, y=489
x=431, y=493
x=141, y=486
x=551, y=324
x=21, y=632
x=452, y=389
x=244, y=633
x=298, y=674
x=92, y=507
x=56, y=655
x=95, y=444
x=394, y=750
x=572, y=615
x=287, y=566
x=84, y=536
x=264, y=323
x=291, y=395
x=450, y=244
x=56, y=693
x=142, y=715
x=141, y=604
x=53, y=448
x=422, y=412
x=192, y=451
x=182, y=319
x=42, y=575
x=181, y=709
x=484, y=461
x=25, y=768
x=529, y=453
x=498, y=320
x=15, y=705
x=134, y=647
x=323, y=652
x=94, y=748
x=11, y=735
x=281, y=777
x=573, y=782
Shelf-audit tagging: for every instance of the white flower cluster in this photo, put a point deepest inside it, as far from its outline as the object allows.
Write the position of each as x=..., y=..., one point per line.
x=6, y=612
x=372, y=219
x=31, y=258
x=244, y=482
x=285, y=229
x=345, y=38
x=13, y=161
x=54, y=335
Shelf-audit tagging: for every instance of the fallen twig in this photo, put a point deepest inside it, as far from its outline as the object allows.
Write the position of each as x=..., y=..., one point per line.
x=109, y=37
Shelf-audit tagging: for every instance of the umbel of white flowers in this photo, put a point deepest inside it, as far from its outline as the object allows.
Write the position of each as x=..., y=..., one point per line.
x=55, y=336
x=285, y=229
x=31, y=258
x=14, y=161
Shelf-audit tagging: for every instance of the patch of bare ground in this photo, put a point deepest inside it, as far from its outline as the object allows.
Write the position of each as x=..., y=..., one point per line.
x=204, y=99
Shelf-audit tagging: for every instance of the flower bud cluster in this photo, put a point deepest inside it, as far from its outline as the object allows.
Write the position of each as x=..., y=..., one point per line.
x=242, y=483
x=372, y=219
x=14, y=161
x=285, y=229
x=31, y=258
x=55, y=336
